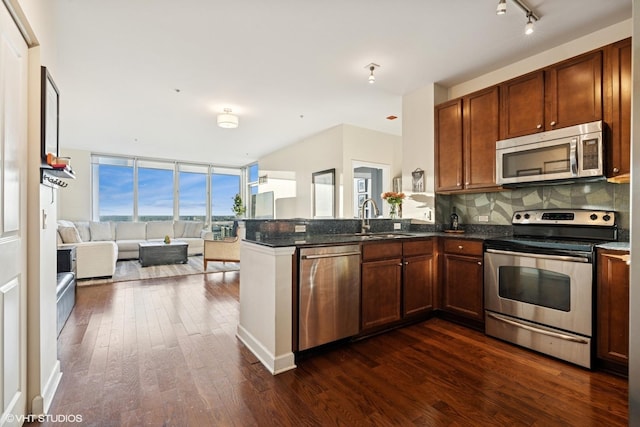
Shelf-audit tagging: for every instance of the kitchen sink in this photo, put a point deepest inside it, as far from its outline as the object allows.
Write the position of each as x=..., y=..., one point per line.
x=385, y=235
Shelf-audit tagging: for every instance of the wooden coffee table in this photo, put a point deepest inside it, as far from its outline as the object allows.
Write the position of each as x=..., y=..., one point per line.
x=160, y=253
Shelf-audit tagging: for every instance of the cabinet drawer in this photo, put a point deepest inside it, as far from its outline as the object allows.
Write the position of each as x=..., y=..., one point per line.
x=417, y=247
x=381, y=250
x=463, y=246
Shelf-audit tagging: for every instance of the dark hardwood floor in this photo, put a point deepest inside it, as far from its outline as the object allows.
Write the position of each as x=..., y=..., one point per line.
x=163, y=352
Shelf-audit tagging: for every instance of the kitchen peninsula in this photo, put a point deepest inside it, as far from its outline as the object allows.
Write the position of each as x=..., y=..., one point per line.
x=268, y=279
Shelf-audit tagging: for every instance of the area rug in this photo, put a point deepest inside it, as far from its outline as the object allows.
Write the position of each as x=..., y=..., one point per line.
x=132, y=270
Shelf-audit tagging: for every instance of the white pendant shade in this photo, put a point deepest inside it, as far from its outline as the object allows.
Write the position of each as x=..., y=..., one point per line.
x=227, y=120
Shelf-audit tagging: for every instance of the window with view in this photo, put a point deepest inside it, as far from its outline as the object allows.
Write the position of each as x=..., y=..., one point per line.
x=193, y=192
x=224, y=187
x=114, y=179
x=155, y=191
x=128, y=189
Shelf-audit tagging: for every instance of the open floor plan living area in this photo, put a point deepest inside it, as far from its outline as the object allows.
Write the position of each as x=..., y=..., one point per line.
x=330, y=213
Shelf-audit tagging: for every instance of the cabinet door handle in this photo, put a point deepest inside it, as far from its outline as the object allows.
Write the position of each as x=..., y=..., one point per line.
x=553, y=123
x=616, y=170
x=400, y=265
x=479, y=263
x=459, y=246
x=539, y=126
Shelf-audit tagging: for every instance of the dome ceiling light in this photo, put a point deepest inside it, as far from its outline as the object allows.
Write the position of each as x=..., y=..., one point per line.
x=227, y=120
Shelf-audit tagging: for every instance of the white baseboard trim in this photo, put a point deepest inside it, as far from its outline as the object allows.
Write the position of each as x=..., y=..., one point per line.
x=40, y=404
x=275, y=365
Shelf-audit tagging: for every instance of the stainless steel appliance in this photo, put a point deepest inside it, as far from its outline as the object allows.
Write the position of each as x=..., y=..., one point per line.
x=539, y=284
x=329, y=294
x=574, y=152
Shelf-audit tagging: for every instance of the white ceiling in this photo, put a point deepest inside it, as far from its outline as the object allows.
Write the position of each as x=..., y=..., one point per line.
x=288, y=68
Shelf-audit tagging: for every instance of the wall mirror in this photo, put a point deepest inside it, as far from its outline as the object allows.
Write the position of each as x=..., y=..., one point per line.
x=50, y=104
x=324, y=184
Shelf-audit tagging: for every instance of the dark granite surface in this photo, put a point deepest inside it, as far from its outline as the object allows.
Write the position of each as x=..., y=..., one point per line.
x=615, y=246
x=281, y=233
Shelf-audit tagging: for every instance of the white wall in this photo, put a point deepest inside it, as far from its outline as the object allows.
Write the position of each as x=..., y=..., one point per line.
x=573, y=48
x=75, y=200
x=418, y=149
x=367, y=146
x=334, y=148
x=42, y=365
x=296, y=163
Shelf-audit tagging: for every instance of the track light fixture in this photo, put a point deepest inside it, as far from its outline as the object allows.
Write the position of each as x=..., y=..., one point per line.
x=528, y=29
x=372, y=67
x=531, y=16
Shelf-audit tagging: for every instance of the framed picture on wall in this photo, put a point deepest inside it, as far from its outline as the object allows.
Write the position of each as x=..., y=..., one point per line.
x=361, y=199
x=417, y=181
x=362, y=187
x=49, y=115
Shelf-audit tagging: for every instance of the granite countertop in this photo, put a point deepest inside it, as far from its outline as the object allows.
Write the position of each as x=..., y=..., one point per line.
x=615, y=246
x=334, y=239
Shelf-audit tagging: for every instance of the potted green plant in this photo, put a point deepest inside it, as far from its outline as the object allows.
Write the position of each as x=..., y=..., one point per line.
x=238, y=208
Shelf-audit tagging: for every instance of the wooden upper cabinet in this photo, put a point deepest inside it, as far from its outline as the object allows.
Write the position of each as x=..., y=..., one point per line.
x=467, y=129
x=617, y=112
x=573, y=91
x=481, y=131
x=565, y=94
x=522, y=105
x=448, y=145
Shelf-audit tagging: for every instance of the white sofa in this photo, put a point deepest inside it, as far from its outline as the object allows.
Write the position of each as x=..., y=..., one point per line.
x=100, y=244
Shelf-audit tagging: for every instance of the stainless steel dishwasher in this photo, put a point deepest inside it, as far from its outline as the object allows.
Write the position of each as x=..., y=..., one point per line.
x=329, y=294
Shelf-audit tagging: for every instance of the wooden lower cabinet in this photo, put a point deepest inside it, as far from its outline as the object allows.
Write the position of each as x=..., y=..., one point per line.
x=613, y=307
x=381, y=290
x=397, y=282
x=418, y=278
x=462, y=278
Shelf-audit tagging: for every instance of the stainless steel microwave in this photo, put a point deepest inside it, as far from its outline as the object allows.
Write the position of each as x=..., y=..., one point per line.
x=562, y=154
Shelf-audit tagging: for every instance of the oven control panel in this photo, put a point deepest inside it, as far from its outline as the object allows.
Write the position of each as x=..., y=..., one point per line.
x=565, y=216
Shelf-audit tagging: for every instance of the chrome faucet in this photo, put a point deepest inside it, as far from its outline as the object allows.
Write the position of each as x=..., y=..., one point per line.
x=365, y=221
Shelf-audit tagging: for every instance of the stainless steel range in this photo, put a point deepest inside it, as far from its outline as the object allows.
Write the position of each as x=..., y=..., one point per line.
x=539, y=284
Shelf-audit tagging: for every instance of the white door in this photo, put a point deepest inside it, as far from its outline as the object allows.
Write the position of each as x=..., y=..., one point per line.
x=13, y=221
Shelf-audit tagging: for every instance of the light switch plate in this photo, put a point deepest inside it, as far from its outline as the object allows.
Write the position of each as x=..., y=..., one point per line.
x=397, y=226
x=301, y=228
x=483, y=218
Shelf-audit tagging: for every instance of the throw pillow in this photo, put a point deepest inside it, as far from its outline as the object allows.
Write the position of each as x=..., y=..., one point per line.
x=100, y=231
x=193, y=229
x=159, y=229
x=83, y=230
x=69, y=235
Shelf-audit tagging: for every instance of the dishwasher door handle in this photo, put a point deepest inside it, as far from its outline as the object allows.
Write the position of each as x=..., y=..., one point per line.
x=319, y=256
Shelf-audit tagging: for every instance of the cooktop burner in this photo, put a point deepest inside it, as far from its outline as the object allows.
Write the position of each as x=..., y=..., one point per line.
x=557, y=231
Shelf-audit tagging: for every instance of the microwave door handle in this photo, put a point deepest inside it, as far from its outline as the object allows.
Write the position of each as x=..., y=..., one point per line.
x=573, y=156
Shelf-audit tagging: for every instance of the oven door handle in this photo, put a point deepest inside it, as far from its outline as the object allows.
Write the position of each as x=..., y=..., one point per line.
x=538, y=330
x=549, y=257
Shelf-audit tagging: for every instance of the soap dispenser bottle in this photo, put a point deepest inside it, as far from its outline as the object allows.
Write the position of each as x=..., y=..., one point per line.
x=454, y=219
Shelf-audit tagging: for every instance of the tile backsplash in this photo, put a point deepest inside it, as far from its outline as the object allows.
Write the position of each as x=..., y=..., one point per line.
x=499, y=206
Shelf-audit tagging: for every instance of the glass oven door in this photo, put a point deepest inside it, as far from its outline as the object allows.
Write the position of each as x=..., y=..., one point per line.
x=551, y=290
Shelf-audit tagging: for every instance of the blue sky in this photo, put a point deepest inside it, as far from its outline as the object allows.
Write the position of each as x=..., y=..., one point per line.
x=155, y=192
